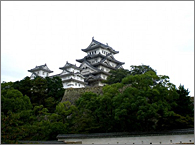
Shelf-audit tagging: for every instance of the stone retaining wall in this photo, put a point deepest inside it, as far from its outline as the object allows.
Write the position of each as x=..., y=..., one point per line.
x=72, y=94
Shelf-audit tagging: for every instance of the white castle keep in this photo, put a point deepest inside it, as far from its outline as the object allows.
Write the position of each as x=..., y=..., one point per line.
x=94, y=67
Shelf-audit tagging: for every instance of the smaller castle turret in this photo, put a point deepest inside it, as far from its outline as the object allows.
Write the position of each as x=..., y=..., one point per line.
x=71, y=76
x=42, y=71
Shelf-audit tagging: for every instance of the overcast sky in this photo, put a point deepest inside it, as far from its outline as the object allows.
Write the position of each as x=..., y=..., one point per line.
x=155, y=33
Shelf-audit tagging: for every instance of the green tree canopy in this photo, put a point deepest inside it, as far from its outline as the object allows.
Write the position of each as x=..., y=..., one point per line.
x=140, y=69
x=13, y=100
x=116, y=76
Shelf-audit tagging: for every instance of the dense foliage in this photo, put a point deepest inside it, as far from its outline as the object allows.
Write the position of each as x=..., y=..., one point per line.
x=135, y=100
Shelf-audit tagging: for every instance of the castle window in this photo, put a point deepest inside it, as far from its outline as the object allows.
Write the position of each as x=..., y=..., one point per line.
x=43, y=73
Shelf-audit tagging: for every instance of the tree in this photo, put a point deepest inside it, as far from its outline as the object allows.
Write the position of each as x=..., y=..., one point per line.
x=55, y=92
x=116, y=76
x=24, y=86
x=15, y=112
x=184, y=105
x=66, y=111
x=140, y=69
x=87, y=119
x=14, y=101
x=39, y=91
x=159, y=96
x=55, y=88
x=42, y=91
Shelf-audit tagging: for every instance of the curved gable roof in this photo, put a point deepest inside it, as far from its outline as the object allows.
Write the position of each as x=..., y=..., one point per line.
x=95, y=44
x=41, y=67
x=69, y=65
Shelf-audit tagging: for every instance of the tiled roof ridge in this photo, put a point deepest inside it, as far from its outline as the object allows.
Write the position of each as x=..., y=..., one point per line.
x=99, y=44
x=70, y=65
x=100, y=55
x=41, y=67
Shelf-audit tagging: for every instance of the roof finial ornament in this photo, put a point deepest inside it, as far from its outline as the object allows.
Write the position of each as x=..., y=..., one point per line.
x=107, y=44
x=93, y=38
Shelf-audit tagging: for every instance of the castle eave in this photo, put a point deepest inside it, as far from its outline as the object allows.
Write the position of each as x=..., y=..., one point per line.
x=71, y=79
x=33, y=70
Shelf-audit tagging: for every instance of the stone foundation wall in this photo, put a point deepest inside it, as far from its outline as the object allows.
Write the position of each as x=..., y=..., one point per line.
x=72, y=94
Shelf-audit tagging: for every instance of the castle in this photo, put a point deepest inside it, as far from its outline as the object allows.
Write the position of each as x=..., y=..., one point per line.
x=94, y=67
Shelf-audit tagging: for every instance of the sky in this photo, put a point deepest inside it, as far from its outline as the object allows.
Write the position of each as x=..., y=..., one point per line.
x=155, y=33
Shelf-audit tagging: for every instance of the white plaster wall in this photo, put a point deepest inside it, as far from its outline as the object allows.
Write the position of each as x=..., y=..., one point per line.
x=104, y=51
x=112, y=63
x=107, y=69
x=41, y=73
x=103, y=76
x=100, y=67
x=65, y=85
x=86, y=71
x=104, y=68
x=101, y=84
x=76, y=70
x=80, y=78
x=64, y=72
x=72, y=69
x=32, y=76
x=95, y=60
x=92, y=52
x=98, y=50
x=164, y=139
x=99, y=59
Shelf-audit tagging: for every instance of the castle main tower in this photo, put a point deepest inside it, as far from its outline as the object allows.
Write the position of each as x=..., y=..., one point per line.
x=99, y=61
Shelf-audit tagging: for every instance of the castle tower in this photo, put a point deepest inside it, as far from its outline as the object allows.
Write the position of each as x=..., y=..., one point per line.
x=99, y=61
x=71, y=76
x=42, y=71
